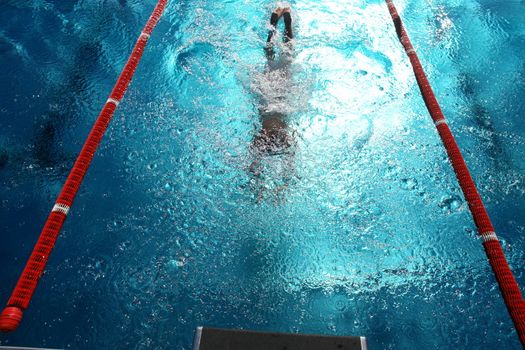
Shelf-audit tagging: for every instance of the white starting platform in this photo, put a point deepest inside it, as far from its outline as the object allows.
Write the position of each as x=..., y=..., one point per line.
x=19, y=348
x=226, y=339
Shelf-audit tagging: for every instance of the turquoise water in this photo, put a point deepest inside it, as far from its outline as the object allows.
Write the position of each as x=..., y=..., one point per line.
x=171, y=231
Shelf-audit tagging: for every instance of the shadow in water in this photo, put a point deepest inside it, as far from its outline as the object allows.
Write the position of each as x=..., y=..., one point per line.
x=85, y=61
x=483, y=121
x=44, y=143
x=4, y=158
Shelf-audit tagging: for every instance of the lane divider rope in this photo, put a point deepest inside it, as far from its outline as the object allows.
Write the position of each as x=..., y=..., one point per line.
x=507, y=283
x=61, y=208
x=112, y=100
x=439, y=122
x=26, y=285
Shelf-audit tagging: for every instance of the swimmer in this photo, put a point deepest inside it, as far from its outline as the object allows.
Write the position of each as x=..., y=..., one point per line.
x=275, y=138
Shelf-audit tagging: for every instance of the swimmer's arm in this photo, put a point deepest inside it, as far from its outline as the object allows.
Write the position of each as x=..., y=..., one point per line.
x=268, y=49
x=273, y=27
x=288, y=33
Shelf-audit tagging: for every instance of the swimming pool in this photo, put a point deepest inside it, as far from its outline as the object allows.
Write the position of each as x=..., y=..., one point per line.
x=371, y=237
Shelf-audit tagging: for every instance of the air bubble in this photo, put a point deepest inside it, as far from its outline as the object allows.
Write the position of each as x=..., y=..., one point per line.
x=175, y=264
x=450, y=204
x=133, y=155
x=408, y=184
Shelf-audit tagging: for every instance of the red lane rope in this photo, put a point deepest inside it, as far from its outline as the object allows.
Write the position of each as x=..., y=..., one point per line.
x=12, y=314
x=507, y=284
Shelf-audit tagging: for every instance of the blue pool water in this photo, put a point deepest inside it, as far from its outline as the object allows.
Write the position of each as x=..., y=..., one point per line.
x=170, y=230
